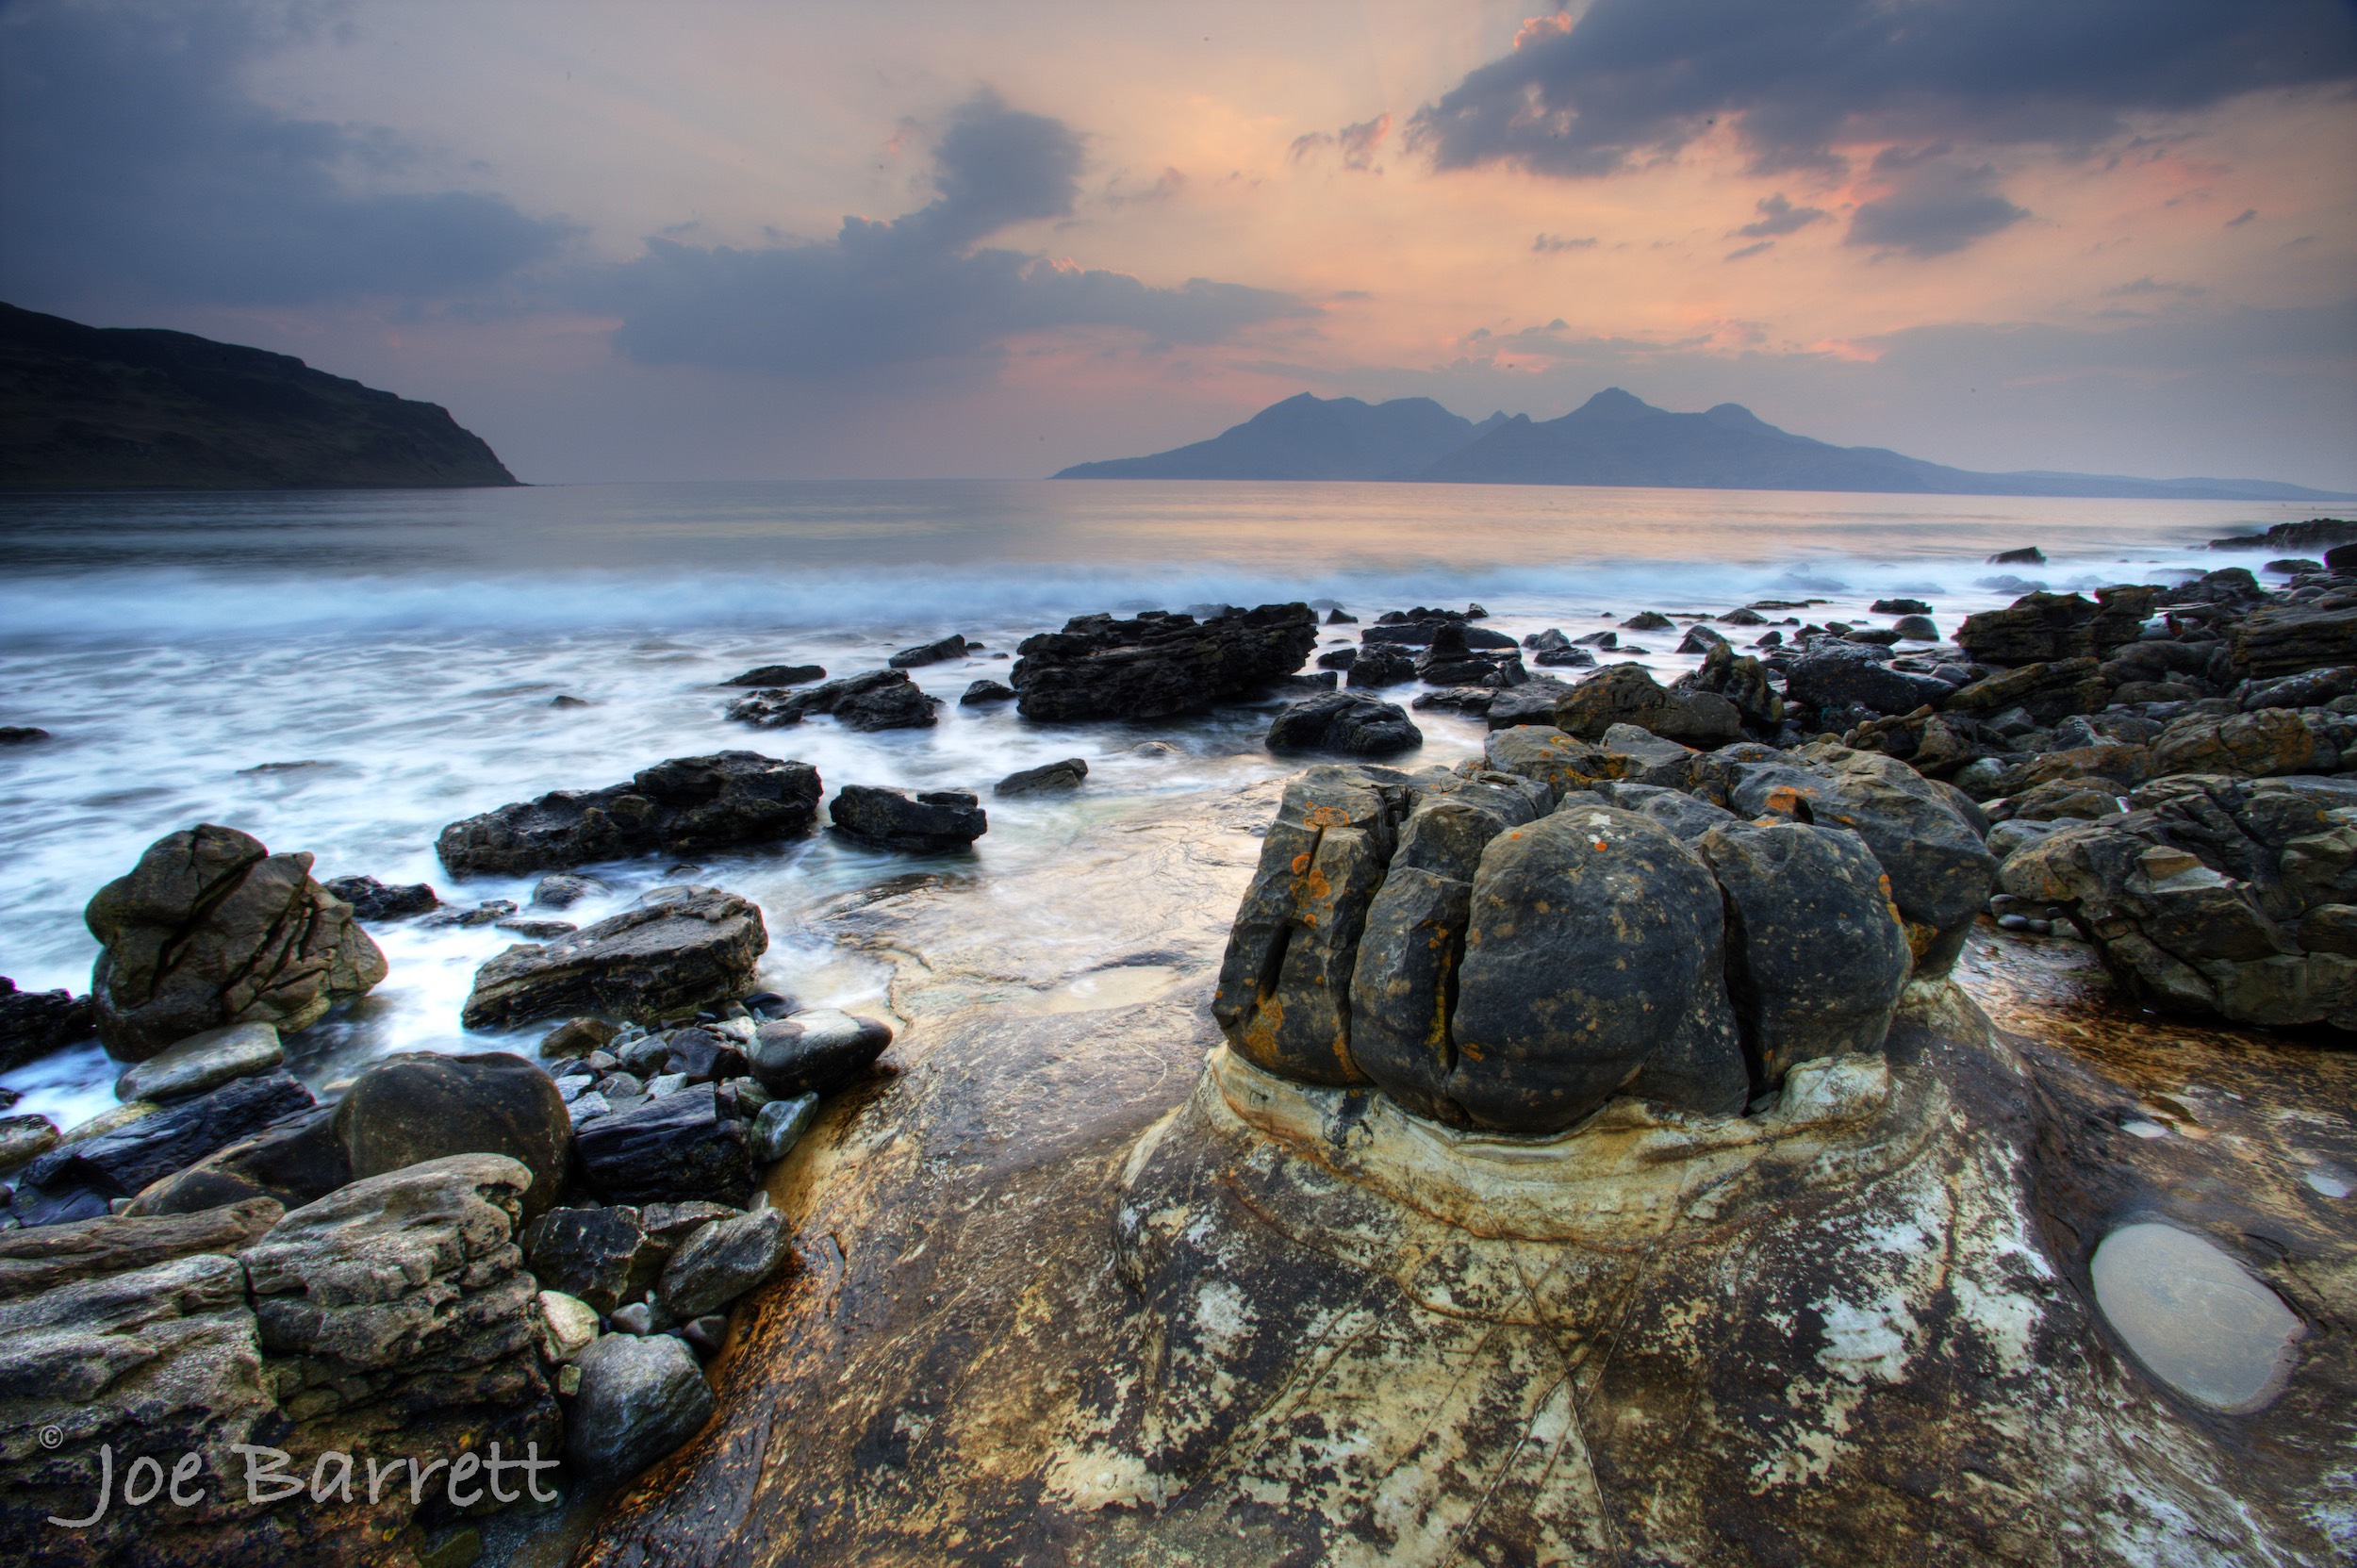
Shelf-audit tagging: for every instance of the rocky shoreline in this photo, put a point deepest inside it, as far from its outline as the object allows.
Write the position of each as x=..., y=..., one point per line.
x=1711, y=931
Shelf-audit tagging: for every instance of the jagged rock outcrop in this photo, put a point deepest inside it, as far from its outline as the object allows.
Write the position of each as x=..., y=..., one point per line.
x=212, y=928
x=874, y=700
x=683, y=806
x=1158, y=664
x=680, y=949
x=34, y=1023
x=2040, y=628
x=2214, y=894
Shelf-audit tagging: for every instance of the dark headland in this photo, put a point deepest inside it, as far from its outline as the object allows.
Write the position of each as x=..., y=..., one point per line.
x=1614, y=438
x=93, y=408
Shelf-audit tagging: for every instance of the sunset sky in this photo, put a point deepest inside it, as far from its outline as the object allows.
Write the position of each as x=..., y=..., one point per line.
x=742, y=240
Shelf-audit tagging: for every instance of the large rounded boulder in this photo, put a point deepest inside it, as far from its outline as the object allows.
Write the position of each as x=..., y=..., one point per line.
x=409, y=1109
x=211, y=929
x=1589, y=934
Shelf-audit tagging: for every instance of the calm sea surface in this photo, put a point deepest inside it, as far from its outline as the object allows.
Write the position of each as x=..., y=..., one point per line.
x=346, y=673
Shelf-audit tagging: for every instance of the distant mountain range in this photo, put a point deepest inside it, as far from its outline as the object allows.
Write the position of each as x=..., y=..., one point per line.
x=1612, y=438
x=105, y=408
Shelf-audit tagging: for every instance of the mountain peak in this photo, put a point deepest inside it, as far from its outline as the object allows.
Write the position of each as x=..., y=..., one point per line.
x=1614, y=401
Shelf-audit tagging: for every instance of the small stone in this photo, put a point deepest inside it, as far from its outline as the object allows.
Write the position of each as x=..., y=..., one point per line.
x=588, y=1107
x=639, y=1317
x=372, y=900
x=781, y=1125
x=982, y=693
x=568, y=1380
x=819, y=1052
x=707, y=1334
x=23, y=1137
x=538, y=931
x=578, y=1037
x=721, y=1262
x=952, y=647
x=641, y=1396
x=666, y=1083
x=1050, y=777
x=560, y=890
x=571, y=1324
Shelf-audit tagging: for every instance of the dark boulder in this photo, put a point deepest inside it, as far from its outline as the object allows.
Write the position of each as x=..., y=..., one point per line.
x=601, y=1256
x=1830, y=674
x=936, y=819
x=819, y=1052
x=1348, y=722
x=34, y=1023
x=1742, y=681
x=701, y=1056
x=779, y=675
x=640, y=1397
x=683, y=806
x=982, y=693
x=2029, y=555
x=1628, y=694
x=1916, y=628
x=1699, y=640
x=1338, y=659
x=682, y=949
x=212, y=928
x=1378, y=666
x=1531, y=702
x=56, y=1185
x=677, y=1147
x=950, y=647
x=296, y=1159
x=1589, y=934
x=1563, y=658
x=1048, y=778
x=408, y=1109
x=1158, y=665
x=2291, y=638
x=1898, y=606
x=2044, y=627
x=722, y=1261
x=2048, y=692
x=1816, y=952
x=1648, y=620
x=874, y=700
x=372, y=900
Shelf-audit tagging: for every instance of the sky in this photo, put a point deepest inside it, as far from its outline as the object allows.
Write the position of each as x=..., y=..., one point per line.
x=884, y=238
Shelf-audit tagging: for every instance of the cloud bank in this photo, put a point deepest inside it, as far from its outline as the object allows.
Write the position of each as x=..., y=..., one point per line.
x=917, y=289
x=132, y=163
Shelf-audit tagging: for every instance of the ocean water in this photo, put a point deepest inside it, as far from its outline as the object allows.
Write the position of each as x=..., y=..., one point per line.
x=344, y=673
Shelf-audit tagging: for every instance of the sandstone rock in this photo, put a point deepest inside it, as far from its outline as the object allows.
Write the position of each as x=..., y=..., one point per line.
x=411, y=1109
x=683, y=806
x=2046, y=627
x=1816, y=950
x=2290, y=638
x=1159, y=666
x=1628, y=694
x=874, y=700
x=203, y=1062
x=680, y=1146
x=681, y=949
x=1347, y=722
x=1049, y=778
x=34, y=1023
x=1590, y=932
x=721, y=1262
x=821, y=1052
x=950, y=647
x=640, y=1397
x=119, y=1163
x=405, y=1293
x=936, y=819
x=212, y=928
x=297, y=1158
x=570, y=1326
x=2254, y=745
x=603, y=1256
x=1283, y=995
x=1546, y=754
x=44, y=1257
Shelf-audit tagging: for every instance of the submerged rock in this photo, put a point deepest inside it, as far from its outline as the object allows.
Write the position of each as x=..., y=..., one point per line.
x=684, y=805
x=1159, y=666
x=1054, y=777
x=952, y=647
x=681, y=949
x=777, y=675
x=372, y=900
x=876, y=700
x=936, y=819
x=212, y=928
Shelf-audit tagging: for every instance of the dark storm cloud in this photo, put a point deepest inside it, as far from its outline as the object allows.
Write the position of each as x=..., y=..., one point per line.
x=133, y=164
x=911, y=290
x=1934, y=206
x=1633, y=79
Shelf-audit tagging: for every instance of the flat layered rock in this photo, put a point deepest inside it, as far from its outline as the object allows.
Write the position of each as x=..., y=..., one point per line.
x=681, y=949
x=1159, y=666
x=685, y=806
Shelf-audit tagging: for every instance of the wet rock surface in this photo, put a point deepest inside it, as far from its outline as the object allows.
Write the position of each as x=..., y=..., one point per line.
x=79, y=1180
x=681, y=806
x=1159, y=666
x=682, y=946
x=933, y=819
x=1349, y=724
x=874, y=700
x=212, y=929
x=34, y=1023
x=1373, y=1338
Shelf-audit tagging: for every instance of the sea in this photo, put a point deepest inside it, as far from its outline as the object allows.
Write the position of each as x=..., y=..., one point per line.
x=345, y=672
